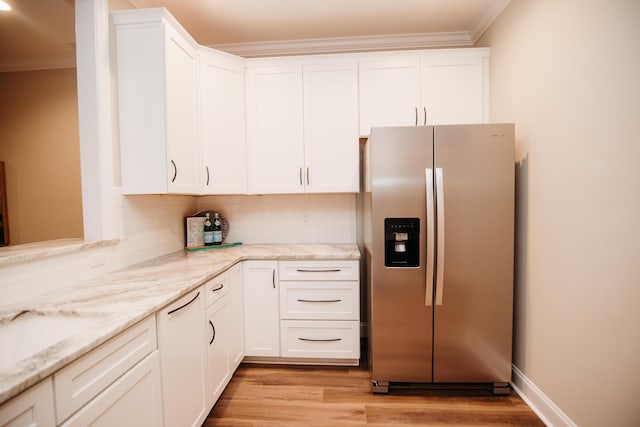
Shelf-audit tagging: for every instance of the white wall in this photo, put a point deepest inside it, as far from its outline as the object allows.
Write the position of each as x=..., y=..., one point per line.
x=568, y=74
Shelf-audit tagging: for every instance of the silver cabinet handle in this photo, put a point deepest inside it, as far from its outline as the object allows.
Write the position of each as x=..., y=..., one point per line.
x=304, y=270
x=425, y=115
x=416, y=108
x=440, y=251
x=428, y=297
x=307, y=176
x=213, y=328
x=319, y=300
x=273, y=278
x=184, y=305
x=321, y=340
x=300, y=174
x=175, y=171
x=207, y=168
x=219, y=288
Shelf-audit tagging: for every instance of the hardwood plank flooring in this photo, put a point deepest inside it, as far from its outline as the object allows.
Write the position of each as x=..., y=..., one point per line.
x=276, y=395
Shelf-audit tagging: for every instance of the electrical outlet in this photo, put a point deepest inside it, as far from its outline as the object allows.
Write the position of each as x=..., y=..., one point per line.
x=306, y=217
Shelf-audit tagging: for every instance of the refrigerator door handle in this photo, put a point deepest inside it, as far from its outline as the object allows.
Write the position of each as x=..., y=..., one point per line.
x=440, y=245
x=430, y=250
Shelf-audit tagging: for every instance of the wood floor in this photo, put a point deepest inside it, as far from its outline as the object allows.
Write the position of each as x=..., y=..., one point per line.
x=273, y=395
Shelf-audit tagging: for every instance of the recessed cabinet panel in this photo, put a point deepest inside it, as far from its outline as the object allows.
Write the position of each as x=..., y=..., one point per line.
x=331, y=128
x=389, y=93
x=274, y=130
x=222, y=123
x=453, y=88
x=261, y=314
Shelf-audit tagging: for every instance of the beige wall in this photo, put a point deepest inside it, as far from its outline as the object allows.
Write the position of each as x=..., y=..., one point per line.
x=39, y=144
x=568, y=74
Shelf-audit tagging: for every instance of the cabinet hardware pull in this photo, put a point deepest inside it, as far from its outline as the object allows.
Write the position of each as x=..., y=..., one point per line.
x=307, y=176
x=207, y=167
x=320, y=340
x=175, y=171
x=218, y=288
x=300, y=176
x=213, y=328
x=319, y=300
x=425, y=115
x=184, y=305
x=304, y=270
x=273, y=278
x=416, y=108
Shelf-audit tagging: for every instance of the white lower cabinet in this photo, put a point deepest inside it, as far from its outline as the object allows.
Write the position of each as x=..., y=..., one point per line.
x=134, y=399
x=236, y=317
x=217, y=336
x=182, y=360
x=261, y=313
x=320, y=310
x=32, y=408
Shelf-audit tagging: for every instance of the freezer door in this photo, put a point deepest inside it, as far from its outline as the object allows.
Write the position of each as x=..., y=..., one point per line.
x=400, y=322
x=474, y=288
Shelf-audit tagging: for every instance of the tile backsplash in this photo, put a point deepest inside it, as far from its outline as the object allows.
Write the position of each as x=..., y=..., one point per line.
x=295, y=218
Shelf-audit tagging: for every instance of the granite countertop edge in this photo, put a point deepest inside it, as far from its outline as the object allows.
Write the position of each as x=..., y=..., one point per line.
x=124, y=297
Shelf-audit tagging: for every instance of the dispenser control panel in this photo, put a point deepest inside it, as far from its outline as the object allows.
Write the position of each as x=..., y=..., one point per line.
x=402, y=242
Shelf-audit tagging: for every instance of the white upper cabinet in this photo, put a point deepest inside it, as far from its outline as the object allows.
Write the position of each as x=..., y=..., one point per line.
x=389, y=93
x=455, y=87
x=158, y=103
x=425, y=88
x=331, y=128
x=302, y=128
x=275, y=130
x=222, y=123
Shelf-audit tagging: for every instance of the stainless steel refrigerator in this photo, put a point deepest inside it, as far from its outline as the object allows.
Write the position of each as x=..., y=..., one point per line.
x=439, y=230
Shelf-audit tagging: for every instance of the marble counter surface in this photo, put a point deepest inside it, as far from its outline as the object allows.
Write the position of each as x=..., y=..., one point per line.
x=124, y=297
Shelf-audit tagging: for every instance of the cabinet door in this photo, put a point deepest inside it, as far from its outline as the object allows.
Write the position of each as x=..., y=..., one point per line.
x=134, y=399
x=331, y=128
x=32, y=408
x=217, y=349
x=261, y=317
x=453, y=88
x=389, y=93
x=182, y=115
x=222, y=123
x=182, y=360
x=236, y=317
x=275, y=129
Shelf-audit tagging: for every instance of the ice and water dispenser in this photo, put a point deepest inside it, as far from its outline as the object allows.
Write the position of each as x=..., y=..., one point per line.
x=402, y=242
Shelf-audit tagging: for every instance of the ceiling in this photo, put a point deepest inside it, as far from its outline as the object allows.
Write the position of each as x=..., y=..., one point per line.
x=40, y=34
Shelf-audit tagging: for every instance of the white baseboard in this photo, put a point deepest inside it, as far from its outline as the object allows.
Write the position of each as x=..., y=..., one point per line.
x=544, y=408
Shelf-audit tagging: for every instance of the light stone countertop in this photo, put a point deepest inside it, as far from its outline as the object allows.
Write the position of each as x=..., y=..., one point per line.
x=124, y=297
x=38, y=250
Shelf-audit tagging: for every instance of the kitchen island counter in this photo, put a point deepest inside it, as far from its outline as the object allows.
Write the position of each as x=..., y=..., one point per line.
x=122, y=298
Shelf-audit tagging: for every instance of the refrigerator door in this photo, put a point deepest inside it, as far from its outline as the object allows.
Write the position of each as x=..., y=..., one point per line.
x=474, y=289
x=400, y=320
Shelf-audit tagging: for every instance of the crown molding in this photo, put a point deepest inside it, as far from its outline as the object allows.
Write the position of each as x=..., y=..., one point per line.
x=33, y=64
x=347, y=44
x=484, y=21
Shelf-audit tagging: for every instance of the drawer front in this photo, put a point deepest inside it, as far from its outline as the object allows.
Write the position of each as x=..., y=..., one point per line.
x=319, y=300
x=82, y=380
x=319, y=270
x=320, y=339
x=215, y=288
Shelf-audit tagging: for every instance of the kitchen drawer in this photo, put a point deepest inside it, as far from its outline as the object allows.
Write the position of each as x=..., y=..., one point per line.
x=320, y=339
x=319, y=300
x=84, y=379
x=216, y=288
x=319, y=270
